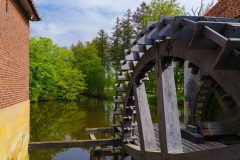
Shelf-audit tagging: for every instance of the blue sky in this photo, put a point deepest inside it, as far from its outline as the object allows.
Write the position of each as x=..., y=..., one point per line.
x=69, y=21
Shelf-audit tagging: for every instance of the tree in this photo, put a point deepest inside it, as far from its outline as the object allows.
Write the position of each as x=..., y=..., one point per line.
x=52, y=75
x=198, y=11
x=116, y=48
x=88, y=61
x=138, y=16
x=126, y=26
x=102, y=46
x=161, y=8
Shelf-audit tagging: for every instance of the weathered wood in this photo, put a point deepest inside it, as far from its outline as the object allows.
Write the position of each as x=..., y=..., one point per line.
x=99, y=130
x=134, y=151
x=220, y=128
x=92, y=137
x=123, y=76
x=224, y=153
x=229, y=56
x=188, y=146
x=205, y=60
x=201, y=58
x=105, y=152
x=118, y=99
x=169, y=125
x=189, y=92
x=147, y=137
x=189, y=23
x=215, y=36
x=120, y=88
x=192, y=137
x=133, y=56
x=74, y=143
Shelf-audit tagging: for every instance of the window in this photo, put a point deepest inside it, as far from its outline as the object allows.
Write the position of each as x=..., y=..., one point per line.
x=6, y=6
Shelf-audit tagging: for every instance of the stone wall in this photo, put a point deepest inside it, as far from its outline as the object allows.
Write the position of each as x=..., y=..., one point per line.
x=14, y=132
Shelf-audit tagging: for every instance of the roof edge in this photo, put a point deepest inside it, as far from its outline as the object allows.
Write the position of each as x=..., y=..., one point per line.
x=30, y=10
x=211, y=8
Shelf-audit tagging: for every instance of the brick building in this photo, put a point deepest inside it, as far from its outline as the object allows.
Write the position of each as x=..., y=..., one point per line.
x=225, y=8
x=14, y=77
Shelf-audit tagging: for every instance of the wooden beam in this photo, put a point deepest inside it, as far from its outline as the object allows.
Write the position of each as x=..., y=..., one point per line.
x=99, y=130
x=74, y=143
x=105, y=152
x=134, y=151
x=215, y=36
x=169, y=125
x=145, y=127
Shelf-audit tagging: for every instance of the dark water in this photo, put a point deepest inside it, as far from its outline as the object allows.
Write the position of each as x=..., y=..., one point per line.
x=59, y=121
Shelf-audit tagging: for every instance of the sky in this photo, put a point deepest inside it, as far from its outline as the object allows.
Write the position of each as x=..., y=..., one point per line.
x=70, y=21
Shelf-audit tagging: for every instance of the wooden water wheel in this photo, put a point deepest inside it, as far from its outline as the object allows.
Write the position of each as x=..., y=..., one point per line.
x=209, y=44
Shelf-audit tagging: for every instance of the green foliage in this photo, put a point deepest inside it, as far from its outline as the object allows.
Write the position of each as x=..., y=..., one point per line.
x=138, y=16
x=101, y=43
x=127, y=29
x=89, y=63
x=60, y=73
x=52, y=75
x=161, y=8
x=116, y=48
x=179, y=81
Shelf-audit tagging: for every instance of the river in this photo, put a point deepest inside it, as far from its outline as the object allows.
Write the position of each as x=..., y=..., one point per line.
x=58, y=121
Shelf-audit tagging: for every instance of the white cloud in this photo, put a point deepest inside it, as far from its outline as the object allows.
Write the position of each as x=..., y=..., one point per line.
x=68, y=21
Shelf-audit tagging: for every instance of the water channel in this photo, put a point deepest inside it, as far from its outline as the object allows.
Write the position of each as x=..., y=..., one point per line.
x=57, y=121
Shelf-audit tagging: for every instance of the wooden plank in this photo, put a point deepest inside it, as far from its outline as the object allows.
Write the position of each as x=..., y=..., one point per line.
x=223, y=153
x=99, y=130
x=134, y=151
x=190, y=24
x=205, y=59
x=92, y=136
x=215, y=36
x=169, y=125
x=123, y=76
x=145, y=127
x=193, y=137
x=229, y=56
x=187, y=145
x=105, y=152
x=190, y=93
x=118, y=99
x=133, y=56
x=74, y=143
x=220, y=128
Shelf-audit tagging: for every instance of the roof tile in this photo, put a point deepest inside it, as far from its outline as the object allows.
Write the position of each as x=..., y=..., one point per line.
x=225, y=8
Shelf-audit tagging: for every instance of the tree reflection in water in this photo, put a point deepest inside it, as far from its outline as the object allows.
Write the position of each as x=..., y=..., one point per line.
x=56, y=120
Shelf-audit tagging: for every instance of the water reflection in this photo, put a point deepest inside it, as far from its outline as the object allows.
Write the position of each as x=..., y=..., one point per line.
x=67, y=121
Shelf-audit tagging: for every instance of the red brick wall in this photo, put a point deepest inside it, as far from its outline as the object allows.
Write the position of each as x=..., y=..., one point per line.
x=225, y=8
x=14, y=54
